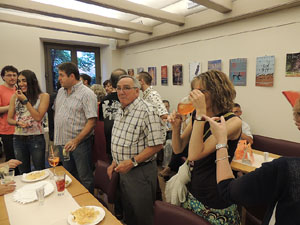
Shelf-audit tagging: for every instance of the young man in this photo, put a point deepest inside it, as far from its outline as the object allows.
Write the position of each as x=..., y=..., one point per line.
x=86, y=79
x=75, y=118
x=246, y=132
x=9, y=75
x=136, y=138
x=108, y=86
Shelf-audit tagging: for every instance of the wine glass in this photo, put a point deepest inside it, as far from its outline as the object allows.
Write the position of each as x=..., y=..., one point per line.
x=185, y=106
x=53, y=157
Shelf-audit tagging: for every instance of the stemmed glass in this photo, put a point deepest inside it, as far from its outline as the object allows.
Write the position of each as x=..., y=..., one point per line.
x=185, y=106
x=53, y=157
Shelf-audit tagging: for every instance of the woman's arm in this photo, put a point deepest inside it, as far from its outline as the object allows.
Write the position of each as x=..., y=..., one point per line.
x=38, y=114
x=11, y=111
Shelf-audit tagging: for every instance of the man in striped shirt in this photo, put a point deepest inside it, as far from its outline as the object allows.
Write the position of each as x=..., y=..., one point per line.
x=137, y=136
x=74, y=122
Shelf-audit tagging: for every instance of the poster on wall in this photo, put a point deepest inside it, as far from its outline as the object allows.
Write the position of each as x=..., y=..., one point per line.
x=152, y=72
x=164, y=75
x=265, y=71
x=195, y=69
x=177, y=74
x=292, y=65
x=238, y=71
x=214, y=65
x=130, y=72
x=140, y=69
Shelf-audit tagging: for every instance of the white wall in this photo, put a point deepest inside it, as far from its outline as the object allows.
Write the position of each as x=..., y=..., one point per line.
x=265, y=108
x=23, y=47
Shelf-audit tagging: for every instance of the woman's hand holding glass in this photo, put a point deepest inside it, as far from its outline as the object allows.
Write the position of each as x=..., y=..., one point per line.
x=175, y=120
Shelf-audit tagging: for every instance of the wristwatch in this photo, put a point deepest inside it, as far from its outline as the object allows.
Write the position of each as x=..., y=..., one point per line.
x=199, y=118
x=219, y=146
x=24, y=102
x=135, y=163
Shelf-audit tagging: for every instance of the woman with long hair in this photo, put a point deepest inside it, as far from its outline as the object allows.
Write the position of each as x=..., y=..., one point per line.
x=212, y=95
x=26, y=111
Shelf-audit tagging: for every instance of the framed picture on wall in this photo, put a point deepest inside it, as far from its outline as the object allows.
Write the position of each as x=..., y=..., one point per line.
x=164, y=75
x=238, y=71
x=140, y=69
x=177, y=74
x=292, y=65
x=130, y=72
x=214, y=65
x=265, y=71
x=195, y=69
x=152, y=72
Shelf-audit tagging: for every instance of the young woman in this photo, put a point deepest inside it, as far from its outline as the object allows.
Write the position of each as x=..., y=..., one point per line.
x=26, y=111
x=212, y=95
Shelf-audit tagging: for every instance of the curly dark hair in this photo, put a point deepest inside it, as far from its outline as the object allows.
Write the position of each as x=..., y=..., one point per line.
x=221, y=89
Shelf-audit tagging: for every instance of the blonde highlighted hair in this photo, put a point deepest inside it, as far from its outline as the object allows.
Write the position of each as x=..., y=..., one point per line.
x=219, y=86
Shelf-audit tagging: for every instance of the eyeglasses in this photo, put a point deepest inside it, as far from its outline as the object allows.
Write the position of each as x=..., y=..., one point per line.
x=236, y=111
x=125, y=89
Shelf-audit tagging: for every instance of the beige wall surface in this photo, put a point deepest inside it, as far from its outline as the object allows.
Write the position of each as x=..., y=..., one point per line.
x=23, y=47
x=264, y=108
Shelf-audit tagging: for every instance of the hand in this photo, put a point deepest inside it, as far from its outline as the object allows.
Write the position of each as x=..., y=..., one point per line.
x=110, y=169
x=20, y=95
x=71, y=145
x=198, y=100
x=124, y=166
x=175, y=119
x=13, y=163
x=22, y=124
x=7, y=188
x=219, y=130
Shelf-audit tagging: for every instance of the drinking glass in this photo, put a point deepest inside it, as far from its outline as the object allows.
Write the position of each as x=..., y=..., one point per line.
x=53, y=157
x=40, y=194
x=60, y=180
x=8, y=176
x=185, y=106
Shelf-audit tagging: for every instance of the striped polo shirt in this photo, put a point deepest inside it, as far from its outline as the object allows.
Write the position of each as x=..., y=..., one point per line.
x=72, y=112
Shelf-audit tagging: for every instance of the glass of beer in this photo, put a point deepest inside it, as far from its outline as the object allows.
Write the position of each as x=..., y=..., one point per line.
x=185, y=106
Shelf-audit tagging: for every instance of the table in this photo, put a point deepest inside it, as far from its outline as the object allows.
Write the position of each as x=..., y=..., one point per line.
x=247, y=168
x=79, y=193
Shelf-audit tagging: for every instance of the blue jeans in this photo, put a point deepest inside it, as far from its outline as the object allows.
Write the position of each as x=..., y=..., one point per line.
x=80, y=164
x=30, y=146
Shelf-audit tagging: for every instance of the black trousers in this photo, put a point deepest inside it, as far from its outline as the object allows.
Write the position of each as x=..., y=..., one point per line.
x=8, y=146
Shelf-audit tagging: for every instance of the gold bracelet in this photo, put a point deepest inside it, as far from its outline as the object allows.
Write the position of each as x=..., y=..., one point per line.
x=225, y=157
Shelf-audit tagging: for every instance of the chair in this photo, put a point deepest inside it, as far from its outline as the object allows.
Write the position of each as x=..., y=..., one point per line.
x=105, y=185
x=99, y=147
x=166, y=213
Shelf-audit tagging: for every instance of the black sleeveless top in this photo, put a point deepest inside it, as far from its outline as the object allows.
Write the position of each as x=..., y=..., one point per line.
x=203, y=185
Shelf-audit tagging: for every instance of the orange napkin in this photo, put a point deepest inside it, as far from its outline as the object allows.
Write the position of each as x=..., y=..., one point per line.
x=291, y=96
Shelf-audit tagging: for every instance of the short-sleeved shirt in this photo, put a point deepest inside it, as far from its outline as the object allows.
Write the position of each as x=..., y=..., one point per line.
x=136, y=127
x=153, y=97
x=5, y=96
x=72, y=112
x=246, y=129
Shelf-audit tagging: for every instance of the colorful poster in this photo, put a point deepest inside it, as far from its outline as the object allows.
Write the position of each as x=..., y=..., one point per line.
x=238, y=71
x=293, y=65
x=215, y=65
x=195, y=69
x=177, y=74
x=140, y=69
x=152, y=72
x=130, y=72
x=164, y=75
x=265, y=71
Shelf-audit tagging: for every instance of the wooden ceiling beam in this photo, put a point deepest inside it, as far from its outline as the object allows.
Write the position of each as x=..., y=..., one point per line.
x=59, y=12
x=222, y=6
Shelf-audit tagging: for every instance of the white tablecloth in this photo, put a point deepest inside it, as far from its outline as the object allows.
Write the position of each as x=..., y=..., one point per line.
x=258, y=160
x=54, y=211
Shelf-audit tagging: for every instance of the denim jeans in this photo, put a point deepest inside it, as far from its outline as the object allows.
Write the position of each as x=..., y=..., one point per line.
x=80, y=164
x=30, y=146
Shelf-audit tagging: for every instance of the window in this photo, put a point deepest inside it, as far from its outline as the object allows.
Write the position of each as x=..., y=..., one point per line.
x=86, y=58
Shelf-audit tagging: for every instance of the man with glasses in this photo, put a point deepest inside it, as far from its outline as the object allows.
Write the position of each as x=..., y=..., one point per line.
x=246, y=132
x=136, y=137
x=9, y=75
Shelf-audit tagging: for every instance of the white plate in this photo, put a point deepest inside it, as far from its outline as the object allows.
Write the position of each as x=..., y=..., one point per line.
x=27, y=193
x=97, y=220
x=68, y=181
x=40, y=178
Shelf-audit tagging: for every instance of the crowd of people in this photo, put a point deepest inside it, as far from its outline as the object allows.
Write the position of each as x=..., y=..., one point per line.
x=136, y=129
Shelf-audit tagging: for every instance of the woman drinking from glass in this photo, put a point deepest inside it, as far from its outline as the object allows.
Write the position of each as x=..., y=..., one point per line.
x=26, y=111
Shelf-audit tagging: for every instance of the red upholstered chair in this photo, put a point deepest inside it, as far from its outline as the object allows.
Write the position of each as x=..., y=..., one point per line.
x=106, y=186
x=165, y=214
x=99, y=147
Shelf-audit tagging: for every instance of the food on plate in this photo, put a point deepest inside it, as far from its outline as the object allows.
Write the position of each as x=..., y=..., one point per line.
x=85, y=215
x=35, y=175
